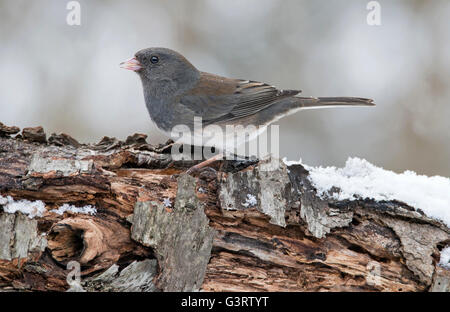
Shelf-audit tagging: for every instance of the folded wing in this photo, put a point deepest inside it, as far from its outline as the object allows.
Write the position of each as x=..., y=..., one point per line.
x=218, y=99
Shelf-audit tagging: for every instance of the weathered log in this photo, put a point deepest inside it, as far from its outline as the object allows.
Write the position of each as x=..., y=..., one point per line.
x=238, y=227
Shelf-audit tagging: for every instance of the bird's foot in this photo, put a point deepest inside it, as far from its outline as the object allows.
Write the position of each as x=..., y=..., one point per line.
x=197, y=167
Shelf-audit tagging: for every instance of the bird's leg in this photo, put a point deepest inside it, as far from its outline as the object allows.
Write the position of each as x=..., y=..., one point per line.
x=205, y=163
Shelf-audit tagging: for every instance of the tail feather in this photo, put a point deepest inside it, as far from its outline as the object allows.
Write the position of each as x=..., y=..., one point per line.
x=293, y=104
x=310, y=102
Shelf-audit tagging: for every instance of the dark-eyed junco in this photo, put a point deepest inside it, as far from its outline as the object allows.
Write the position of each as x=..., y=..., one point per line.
x=175, y=92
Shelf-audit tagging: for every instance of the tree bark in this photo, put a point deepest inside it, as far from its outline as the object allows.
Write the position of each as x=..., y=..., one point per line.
x=240, y=226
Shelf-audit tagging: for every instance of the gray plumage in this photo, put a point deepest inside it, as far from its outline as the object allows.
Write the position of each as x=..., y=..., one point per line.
x=175, y=92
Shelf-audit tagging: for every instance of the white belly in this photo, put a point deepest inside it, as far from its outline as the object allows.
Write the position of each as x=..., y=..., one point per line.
x=226, y=139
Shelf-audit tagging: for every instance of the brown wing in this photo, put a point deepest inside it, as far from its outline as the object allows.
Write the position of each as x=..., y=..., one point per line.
x=218, y=98
x=255, y=96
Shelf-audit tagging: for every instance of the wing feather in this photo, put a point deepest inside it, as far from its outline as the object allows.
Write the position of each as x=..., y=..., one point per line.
x=218, y=98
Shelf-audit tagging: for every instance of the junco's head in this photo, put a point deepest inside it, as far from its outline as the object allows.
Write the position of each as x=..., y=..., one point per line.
x=160, y=66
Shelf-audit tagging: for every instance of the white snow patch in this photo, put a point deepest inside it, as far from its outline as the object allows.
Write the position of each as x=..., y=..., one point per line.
x=292, y=162
x=250, y=201
x=3, y=200
x=30, y=208
x=71, y=208
x=201, y=190
x=360, y=179
x=445, y=258
x=167, y=202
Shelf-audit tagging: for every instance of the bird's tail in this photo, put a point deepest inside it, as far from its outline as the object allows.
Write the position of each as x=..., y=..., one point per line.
x=293, y=104
x=323, y=102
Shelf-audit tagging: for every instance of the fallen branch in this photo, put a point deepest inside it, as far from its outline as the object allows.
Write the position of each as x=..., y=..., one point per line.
x=154, y=228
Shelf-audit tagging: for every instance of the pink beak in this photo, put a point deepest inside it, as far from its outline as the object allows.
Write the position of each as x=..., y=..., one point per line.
x=131, y=64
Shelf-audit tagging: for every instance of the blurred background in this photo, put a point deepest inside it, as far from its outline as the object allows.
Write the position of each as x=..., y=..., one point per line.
x=67, y=79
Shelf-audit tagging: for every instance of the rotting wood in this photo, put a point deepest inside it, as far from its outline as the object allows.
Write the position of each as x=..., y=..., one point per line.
x=242, y=228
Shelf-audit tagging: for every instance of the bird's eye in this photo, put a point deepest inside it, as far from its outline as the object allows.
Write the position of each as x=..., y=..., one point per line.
x=154, y=59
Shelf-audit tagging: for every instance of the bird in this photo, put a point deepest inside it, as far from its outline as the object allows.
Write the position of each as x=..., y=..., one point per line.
x=197, y=108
